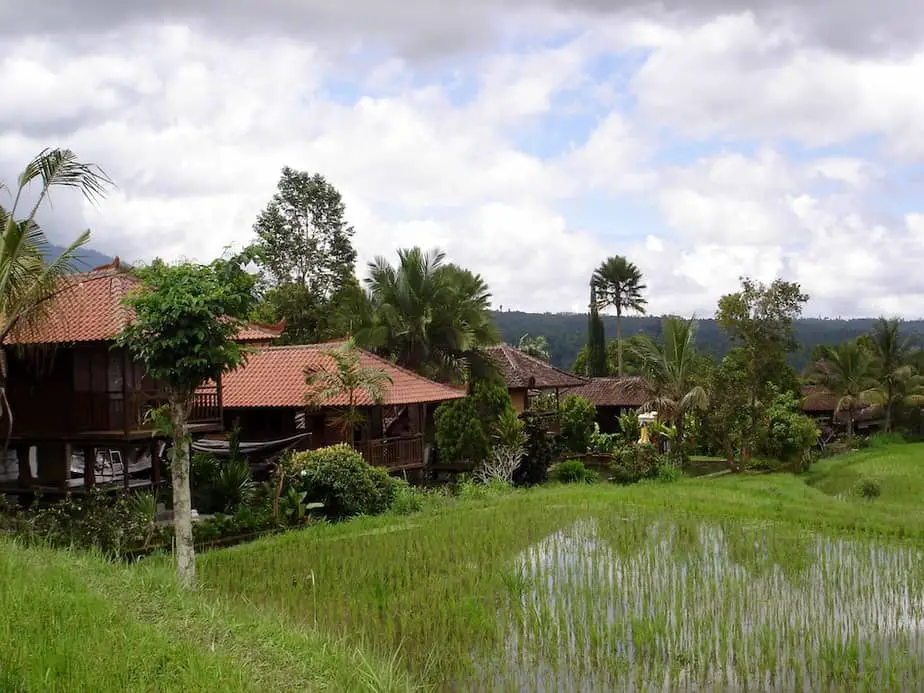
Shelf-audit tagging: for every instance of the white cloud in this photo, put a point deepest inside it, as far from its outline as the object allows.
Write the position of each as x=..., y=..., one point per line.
x=705, y=114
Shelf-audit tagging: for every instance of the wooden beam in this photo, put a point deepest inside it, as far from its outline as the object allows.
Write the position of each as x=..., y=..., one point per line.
x=89, y=466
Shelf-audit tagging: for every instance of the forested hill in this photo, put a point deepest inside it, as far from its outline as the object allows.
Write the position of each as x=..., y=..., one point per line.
x=567, y=332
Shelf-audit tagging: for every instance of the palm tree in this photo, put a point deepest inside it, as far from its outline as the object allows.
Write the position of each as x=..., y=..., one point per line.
x=27, y=279
x=537, y=347
x=670, y=376
x=429, y=316
x=349, y=379
x=846, y=371
x=618, y=283
x=891, y=366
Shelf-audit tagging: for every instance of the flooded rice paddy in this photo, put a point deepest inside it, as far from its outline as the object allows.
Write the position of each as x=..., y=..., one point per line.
x=658, y=605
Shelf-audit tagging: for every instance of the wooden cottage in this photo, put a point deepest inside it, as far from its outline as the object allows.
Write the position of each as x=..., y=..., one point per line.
x=267, y=399
x=525, y=374
x=79, y=403
x=612, y=397
x=821, y=405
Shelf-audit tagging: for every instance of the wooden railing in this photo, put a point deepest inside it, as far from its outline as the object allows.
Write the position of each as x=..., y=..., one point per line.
x=105, y=411
x=393, y=453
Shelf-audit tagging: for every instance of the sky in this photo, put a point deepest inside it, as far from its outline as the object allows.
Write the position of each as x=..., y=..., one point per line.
x=529, y=139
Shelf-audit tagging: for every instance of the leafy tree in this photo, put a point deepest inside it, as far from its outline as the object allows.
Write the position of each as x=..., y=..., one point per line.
x=577, y=422
x=596, y=339
x=759, y=320
x=428, y=316
x=727, y=422
x=27, y=280
x=304, y=248
x=789, y=433
x=349, y=379
x=618, y=283
x=891, y=367
x=670, y=373
x=847, y=372
x=537, y=347
x=186, y=319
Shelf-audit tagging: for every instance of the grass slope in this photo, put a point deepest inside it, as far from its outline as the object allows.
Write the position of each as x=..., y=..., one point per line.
x=74, y=622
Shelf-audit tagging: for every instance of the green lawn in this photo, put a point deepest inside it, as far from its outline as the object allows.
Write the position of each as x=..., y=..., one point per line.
x=390, y=603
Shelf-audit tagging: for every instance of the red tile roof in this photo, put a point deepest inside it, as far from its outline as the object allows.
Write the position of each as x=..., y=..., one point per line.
x=520, y=370
x=275, y=377
x=260, y=332
x=611, y=392
x=87, y=308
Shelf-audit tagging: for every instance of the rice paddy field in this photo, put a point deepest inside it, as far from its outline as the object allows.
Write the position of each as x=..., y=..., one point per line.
x=768, y=582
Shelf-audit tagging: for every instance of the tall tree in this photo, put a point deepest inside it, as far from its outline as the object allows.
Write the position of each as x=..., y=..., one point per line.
x=186, y=319
x=27, y=280
x=670, y=372
x=596, y=339
x=349, y=379
x=618, y=283
x=758, y=319
x=305, y=252
x=891, y=365
x=428, y=315
x=847, y=372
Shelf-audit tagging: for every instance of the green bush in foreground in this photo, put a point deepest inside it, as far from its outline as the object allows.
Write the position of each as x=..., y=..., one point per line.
x=340, y=478
x=571, y=472
x=868, y=489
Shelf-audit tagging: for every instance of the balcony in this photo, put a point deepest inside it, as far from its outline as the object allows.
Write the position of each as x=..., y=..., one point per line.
x=395, y=454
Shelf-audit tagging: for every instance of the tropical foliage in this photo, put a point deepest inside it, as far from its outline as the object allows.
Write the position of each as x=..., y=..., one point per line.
x=670, y=377
x=618, y=284
x=577, y=423
x=428, y=315
x=846, y=370
x=537, y=347
x=349, y=379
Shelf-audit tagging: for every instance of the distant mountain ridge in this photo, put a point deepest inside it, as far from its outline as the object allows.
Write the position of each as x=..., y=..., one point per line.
x=87, y=258
x=567, y=332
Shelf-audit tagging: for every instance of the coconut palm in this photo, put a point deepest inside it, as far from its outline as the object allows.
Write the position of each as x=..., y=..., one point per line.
x=537, y=347
x=618, y=283
x=349, y=380
x=27, y=279
x=429, y=316
x=846, y=371
x=891, y=367
x=670, y=371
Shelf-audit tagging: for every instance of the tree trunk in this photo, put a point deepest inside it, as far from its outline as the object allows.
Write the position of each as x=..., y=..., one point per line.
x=849, y=424
x=618, y=341
x=182, y=501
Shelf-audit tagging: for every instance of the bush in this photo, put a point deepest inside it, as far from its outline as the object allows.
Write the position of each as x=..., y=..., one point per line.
x=572, y=471
x=407, y=499
x=540, y=453
x=340, y=478
x=669, y=472
x=460, y=435
x=630, y=428
x=633, y=463
x=868, y=489
x=603, y=443
x=577, y=423
x=789, y=433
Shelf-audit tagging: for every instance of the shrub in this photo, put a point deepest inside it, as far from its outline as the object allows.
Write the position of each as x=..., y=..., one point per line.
x=789, y=433
x=603, y=443
x=630, y=427
x=633, y=463
x=540, y=453
x=669, y=472
x=577, y=423
x=340, y=478
x=868, y=489
x=500, y=465
x=460, y=434
x=572, y=471
x=407, y=499
x=234, y=486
